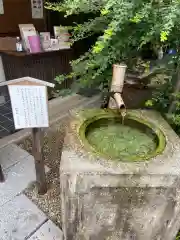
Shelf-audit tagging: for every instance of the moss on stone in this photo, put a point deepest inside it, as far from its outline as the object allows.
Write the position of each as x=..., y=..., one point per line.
x=88, y=117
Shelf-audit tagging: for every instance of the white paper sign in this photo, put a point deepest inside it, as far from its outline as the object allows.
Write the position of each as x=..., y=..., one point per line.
x=37, y=8
x=29, y=106
x=1, y=7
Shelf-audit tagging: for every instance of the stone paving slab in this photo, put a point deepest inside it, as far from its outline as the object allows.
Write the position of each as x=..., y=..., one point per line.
x=48, y=231
x=19, y=219
x=17, y=179
x=10, y=155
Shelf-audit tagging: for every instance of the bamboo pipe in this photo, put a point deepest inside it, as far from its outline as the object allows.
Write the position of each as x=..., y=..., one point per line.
x=119, y=101
x=117, y=85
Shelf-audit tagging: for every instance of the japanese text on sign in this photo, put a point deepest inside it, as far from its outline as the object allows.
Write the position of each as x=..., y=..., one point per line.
x=29, y=106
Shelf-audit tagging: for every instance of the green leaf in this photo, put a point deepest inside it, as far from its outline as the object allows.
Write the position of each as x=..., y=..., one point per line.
x=149, y=103
x=60, y=78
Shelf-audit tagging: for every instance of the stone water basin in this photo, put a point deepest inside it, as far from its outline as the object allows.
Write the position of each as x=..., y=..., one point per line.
x=124, y=139
x=124, y=188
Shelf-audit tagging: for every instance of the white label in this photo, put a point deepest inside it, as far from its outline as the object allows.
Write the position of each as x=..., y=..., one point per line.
x=37, y=8
x=29, y=106
x=19, y=47
x=1, y=7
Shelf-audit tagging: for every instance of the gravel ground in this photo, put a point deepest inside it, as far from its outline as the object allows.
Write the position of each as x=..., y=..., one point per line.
x=50, y=202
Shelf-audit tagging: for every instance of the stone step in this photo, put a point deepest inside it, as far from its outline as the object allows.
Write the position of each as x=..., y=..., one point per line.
x=11, y=155
x=17, y=178
x=48, y=231
x=58, y=109
x=19, y=219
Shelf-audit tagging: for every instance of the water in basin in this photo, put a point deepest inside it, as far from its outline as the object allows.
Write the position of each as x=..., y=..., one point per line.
x=114, y=139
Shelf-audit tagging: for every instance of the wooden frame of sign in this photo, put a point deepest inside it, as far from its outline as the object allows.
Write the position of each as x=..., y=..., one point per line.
x=29, y=103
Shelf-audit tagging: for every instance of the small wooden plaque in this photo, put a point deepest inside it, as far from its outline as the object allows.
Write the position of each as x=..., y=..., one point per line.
x=29, y=105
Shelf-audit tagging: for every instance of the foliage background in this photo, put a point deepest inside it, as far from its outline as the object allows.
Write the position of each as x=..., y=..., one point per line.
x=124, y=29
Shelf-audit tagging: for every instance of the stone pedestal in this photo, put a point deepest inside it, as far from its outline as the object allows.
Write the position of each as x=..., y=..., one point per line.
x=104, y=199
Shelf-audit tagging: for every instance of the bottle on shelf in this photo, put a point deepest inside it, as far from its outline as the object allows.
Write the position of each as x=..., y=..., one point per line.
x=19, y=47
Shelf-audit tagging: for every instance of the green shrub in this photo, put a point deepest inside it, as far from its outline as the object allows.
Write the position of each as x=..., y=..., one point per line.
x=166, y=96
x=124, y=27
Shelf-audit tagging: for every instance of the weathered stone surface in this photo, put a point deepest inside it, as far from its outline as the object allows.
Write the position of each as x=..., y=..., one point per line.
x=105, y=199
x=17, y=178
x=19, y=219
x=11, y=154
x=48, y=231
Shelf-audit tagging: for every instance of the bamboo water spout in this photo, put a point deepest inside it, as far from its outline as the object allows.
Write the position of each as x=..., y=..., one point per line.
x=119, y=102
x=116, y=100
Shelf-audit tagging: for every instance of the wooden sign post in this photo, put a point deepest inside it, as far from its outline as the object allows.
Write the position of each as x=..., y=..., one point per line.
x=1, y=175
x=29, y=103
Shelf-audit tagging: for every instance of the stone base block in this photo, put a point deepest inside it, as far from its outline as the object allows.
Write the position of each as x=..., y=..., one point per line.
x=105, y=199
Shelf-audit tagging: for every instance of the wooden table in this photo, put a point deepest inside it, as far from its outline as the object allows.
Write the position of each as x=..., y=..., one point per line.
x=44, y=65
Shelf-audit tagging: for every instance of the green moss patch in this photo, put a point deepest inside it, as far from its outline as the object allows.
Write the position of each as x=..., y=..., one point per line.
x=135, y=140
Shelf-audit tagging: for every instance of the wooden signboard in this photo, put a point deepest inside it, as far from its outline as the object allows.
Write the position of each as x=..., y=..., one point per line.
x=30, y=110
